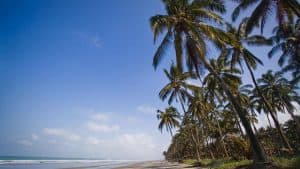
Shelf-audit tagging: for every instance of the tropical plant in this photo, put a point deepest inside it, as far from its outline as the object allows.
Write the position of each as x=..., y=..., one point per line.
x=186, y=22
x=168, y=119
x=282, y=94
x=270, y=85
x=285, y=11
x=288, y=42
x=177, y=88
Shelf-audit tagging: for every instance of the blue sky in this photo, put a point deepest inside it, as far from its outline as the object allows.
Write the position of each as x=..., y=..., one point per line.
x=76, y=79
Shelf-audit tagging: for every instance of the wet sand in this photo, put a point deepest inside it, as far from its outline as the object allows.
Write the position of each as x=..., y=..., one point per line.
x=156, y=165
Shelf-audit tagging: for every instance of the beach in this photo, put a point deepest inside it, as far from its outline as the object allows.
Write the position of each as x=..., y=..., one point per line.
x=156, y=165
x=83, y=164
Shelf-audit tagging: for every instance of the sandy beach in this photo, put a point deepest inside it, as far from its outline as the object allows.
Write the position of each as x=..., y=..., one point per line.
x=156, y=165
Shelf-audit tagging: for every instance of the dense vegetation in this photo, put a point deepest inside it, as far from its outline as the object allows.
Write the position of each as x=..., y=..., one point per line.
x=217, y=115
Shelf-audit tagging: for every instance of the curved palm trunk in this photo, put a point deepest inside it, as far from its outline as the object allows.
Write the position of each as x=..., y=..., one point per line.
x=253, y=124
x=268, y=106
x=221, y=134
x=281, y=133
x=260, y=156
x=196, y=144
x=239, y=125
x=269, y=121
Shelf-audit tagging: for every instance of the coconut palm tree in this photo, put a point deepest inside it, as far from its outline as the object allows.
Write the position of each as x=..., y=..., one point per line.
x=281, y=93
x=285, y=10
x=288, y=42
x=226, y=73
x=269, y=86
x=168, y=119
x=177, y=88
x=205, y=113
x=185, y=25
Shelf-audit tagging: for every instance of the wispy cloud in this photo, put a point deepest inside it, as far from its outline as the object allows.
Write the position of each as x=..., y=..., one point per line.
x=133, y=141
x=146, y=109
x=92, y=126
x=25, y=142
x=91, y=39
x=35, y=137
x=100, y=116
x=62, y=133
x=93, y=141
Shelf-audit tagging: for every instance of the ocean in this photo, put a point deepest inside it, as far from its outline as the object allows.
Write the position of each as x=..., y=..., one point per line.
x=14, y=162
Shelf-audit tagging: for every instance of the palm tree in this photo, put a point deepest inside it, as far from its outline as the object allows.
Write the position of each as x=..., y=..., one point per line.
x=177, y=88
x=282, y=93
x=168, y=119
x=186, y=23
x=270, y=89
x=285, y=10
x=288, y=42
x=206, y=114
x=226, y=73
x=249, y=103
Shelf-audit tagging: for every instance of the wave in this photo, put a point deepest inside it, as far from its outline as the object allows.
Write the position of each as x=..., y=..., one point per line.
x=62, y=161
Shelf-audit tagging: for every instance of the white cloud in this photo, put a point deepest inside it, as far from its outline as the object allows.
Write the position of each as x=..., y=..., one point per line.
x=100, y=117
x=282, y=117
x=93, y=141
x=102, y=127
x=92, y=39
x=133, y=141
x=25, y=142
x=146, y=109
x=62, y=133
x=34, y=137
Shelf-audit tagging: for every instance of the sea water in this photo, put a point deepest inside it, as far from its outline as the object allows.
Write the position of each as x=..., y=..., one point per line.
x=59, y=163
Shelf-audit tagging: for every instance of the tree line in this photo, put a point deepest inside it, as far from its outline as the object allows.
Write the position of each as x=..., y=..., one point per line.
x=218, y=114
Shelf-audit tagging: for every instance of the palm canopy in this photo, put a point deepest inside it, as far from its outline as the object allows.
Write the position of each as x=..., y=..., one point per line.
x=185, y=24
x=285, y=10
x=168, y=119
x=239, y=55
x=229, y=75
x=288, y=42
x=177, y=88
x=279, y=91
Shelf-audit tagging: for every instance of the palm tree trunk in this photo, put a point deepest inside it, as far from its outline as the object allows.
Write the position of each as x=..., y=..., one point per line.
x=210, y=152
x=280, y=131
x=253, y=124
x=269, y=121
x=196, y=144
x=269, y=108
x=221, y=134
x=239, y=125
x=255, y=129
x=260, y=156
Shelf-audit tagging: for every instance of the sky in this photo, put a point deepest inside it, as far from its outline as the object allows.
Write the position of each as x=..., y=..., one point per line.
x=76, y=79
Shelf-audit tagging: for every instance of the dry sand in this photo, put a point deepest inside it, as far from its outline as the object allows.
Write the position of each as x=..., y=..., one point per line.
x=156, y=165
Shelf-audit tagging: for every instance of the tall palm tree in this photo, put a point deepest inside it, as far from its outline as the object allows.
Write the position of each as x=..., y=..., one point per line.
x=237, y=56
x=168, y=119
x=229, y=75
x=268, y=85
x=186, y=23
x=285, y=10
x=288, y=42
x=205, y=113
x=281, y=93
x=177, y=88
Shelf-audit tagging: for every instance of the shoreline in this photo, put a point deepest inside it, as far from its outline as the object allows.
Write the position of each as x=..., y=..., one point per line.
x=156, y=165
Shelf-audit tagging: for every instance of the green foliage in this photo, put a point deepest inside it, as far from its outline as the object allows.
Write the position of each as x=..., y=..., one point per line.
x=210, y=125
x=234, y=164
x=285, y=162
